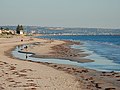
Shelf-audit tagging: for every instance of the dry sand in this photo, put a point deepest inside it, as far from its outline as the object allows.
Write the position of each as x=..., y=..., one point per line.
x=23, y=75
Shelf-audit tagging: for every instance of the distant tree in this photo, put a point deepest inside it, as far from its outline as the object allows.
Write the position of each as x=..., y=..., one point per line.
x=1, y=28
x=22, y=27
x=19, y=28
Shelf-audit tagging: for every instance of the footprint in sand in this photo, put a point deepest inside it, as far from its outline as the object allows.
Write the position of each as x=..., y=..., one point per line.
x=10, y=80
x=30, y=89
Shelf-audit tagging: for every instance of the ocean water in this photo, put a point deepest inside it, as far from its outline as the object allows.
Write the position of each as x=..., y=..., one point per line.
x=105, y=50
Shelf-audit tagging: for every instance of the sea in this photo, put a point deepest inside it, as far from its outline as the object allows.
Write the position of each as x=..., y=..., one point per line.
x=103, y=49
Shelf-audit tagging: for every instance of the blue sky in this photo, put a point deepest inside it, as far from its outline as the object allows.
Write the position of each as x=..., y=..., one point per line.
x=65, y=13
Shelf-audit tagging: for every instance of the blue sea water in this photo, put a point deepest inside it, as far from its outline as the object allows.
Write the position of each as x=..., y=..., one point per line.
x=105, y=50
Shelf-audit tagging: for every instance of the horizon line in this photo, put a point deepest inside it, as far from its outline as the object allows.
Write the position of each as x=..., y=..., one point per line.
x=65, y=26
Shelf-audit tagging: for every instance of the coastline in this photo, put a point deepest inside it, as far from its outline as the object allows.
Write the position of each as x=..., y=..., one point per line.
x=58, y=51
x=88, y=79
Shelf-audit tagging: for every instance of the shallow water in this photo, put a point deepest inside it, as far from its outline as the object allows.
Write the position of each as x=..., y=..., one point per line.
x=104, y=49
x=100, y=64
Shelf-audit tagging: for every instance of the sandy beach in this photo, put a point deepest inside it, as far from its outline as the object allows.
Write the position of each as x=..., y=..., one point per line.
x=18, y=74
x=23, y=75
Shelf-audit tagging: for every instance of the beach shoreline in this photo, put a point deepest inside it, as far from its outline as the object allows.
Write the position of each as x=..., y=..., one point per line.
x=86, y=79
x=60, y=51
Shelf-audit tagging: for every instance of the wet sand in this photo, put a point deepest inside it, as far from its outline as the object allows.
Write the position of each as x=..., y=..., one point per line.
x=57, y=50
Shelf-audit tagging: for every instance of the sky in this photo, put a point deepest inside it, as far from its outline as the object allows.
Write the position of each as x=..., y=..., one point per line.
x=61, y=13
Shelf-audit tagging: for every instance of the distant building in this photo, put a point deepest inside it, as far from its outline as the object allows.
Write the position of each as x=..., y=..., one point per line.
x=33, y=32
x=19, y=29
x=12, y=32
x=21, y=32
x=0, y=31
x=6, y=31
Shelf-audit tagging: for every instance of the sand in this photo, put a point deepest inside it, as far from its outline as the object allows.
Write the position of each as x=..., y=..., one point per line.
x=18, y=74
x=56, y=49
x=23, y=75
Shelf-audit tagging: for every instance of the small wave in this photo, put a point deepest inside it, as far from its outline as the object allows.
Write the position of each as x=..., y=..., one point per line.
x=111, y=44
x=104, y=43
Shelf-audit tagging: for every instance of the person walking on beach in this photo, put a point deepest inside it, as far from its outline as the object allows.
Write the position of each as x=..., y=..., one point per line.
x=26, y=47
x=26, y=56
